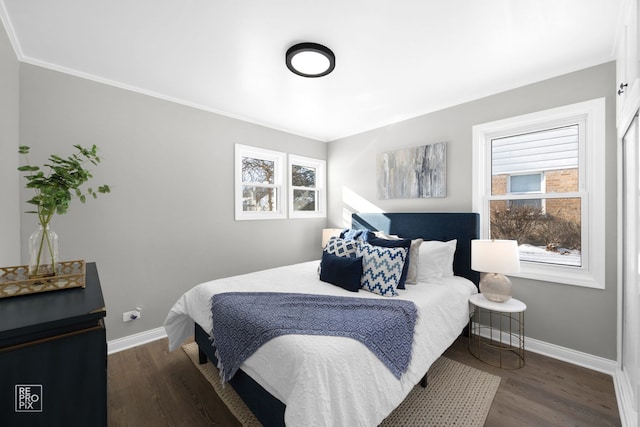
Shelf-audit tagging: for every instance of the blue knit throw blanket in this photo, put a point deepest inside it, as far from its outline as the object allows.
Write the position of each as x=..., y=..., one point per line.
x=244, y=321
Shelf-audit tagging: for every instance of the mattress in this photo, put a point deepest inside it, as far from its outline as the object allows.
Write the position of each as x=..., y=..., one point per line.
x=331, y=381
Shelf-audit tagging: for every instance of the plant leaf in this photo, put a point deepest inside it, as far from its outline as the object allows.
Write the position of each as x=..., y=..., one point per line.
x=28, y=168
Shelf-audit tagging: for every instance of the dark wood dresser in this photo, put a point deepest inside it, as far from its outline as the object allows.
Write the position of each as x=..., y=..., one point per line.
x=53, y=357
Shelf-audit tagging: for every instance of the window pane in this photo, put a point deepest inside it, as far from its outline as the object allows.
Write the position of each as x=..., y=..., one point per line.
x=534, y=203
x=525, y=183
x=259, y=199
x=258, y=170
x=302, y=176
x=304, y=200
x=551, y=235
x=552, y=152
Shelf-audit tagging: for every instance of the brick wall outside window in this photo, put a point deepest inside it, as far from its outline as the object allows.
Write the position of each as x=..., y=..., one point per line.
x=558, y=181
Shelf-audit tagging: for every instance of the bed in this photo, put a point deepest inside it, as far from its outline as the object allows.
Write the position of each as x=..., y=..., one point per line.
x=300, y=380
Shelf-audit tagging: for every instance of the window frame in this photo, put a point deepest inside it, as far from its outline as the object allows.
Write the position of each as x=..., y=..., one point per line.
x=279, y=183
x=591, y=115
x=321, y=178
x=535, y=195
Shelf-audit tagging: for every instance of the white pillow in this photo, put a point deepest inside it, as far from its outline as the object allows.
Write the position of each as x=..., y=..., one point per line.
x=436, y=259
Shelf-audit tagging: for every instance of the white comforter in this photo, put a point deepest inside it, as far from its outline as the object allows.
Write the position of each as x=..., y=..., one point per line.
x=331, y=381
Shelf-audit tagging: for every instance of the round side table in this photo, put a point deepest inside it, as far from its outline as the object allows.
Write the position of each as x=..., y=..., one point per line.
x=499, y=340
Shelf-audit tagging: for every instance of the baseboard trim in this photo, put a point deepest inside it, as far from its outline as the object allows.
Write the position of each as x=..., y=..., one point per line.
x=586, y=360
x=130, y=341
x=624, y=394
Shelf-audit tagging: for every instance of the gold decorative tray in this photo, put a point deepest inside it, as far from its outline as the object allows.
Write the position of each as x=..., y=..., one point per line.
x=15, y=281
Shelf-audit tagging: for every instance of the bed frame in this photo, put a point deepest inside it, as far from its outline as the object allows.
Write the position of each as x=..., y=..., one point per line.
x=428, y=226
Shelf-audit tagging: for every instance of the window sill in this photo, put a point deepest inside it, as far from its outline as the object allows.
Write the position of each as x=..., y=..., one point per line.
x=575, y=276
x=307, y=214
x=259, y=215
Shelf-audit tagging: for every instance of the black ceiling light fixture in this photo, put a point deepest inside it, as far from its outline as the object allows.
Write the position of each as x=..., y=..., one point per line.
x=310, y=60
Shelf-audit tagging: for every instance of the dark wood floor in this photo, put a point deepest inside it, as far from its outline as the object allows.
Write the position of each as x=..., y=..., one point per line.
x=546, y=392
x=149, y=386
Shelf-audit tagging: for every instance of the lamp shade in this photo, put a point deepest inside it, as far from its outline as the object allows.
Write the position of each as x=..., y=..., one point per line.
x=328, y=233
x=495, y=256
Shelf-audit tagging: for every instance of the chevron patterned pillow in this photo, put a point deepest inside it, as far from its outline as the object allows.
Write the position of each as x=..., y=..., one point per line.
x=381, y=268
x=341, y=247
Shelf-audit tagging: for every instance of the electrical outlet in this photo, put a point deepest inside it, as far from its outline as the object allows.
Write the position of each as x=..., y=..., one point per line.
x=128, y=316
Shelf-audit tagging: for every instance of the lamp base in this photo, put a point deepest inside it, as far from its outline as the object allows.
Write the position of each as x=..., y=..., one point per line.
x=495, y=287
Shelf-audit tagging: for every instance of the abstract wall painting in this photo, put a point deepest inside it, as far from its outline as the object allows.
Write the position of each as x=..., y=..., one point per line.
x=412, y=173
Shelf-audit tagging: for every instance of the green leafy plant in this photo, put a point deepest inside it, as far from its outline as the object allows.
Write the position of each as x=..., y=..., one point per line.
x=56, y=183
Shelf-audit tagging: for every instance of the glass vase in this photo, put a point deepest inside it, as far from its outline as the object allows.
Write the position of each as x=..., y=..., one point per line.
x=43, y=252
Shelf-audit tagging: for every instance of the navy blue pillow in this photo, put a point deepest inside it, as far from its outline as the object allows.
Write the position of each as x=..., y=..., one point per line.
x=387, y=243
x=341, y=271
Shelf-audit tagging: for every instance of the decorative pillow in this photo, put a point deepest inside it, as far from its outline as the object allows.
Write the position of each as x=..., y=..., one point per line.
x=393, y=243
x=341, y=271
x=341, y=247
x=351, y=234
x=436, y=260
x=381, y=268
x=412, y=272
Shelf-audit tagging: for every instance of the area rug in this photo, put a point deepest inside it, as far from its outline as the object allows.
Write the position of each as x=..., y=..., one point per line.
x=457, y=395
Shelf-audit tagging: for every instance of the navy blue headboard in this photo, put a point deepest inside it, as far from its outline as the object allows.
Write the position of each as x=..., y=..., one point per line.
x=429, y=226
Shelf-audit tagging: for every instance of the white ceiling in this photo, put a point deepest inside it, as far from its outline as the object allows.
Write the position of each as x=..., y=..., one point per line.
x=394, y=59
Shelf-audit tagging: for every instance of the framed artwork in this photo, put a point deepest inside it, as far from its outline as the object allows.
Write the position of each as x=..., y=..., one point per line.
x=412, y=173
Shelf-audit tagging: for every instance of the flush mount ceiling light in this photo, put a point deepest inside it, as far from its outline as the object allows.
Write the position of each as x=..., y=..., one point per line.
x=310, y=60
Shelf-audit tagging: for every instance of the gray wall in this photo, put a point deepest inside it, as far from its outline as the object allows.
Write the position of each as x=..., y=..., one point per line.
x=577, y=318
x=9, y=203
x=169, y=222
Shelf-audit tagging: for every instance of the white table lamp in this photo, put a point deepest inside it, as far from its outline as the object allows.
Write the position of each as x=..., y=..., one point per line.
x=495, y=258
x=328, y=233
